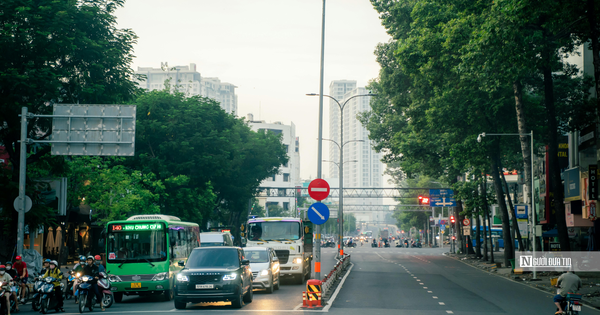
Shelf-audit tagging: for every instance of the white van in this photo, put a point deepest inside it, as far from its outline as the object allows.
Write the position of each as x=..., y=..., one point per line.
x=215, y=239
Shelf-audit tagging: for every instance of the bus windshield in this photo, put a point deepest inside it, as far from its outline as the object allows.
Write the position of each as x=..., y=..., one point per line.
x=136, y=243
x=274, y=231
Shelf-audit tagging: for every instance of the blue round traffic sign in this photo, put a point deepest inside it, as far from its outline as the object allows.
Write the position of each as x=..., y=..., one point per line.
x=318, y=213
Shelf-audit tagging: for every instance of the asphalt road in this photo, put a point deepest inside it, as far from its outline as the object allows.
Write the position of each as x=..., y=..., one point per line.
x=381, y=281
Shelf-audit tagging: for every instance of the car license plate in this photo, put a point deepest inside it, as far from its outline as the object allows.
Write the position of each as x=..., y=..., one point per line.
x=136, y=285
x=577, y=308
x=205, y=286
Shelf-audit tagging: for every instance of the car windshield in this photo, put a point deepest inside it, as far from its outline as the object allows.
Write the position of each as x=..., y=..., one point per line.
x=136, y=243
x=213, y=257
x=257, y=256
x=276, y=230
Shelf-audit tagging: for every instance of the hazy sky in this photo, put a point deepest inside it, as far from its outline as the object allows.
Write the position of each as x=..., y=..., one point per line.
x=270, y=49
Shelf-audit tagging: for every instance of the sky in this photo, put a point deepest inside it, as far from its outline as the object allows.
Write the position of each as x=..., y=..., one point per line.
x=269, y=49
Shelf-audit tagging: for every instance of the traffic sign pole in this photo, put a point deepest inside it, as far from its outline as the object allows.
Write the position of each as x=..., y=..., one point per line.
x=22, y=173
x=318, y=189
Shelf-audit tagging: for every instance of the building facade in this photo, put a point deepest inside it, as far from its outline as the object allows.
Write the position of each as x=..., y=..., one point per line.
x=363, y=166
x=187, y=79
x=289, y=174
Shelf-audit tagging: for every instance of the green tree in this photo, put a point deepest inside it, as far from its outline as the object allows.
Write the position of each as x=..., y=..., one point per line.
x=57, y=52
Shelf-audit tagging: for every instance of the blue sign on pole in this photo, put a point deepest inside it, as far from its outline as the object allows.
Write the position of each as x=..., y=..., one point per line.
x=441, y=193
x=318, y=213
x=521, y=211
x=442, y=202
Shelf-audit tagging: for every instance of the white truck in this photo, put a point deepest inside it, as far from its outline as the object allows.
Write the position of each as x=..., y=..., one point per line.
x=287, y=237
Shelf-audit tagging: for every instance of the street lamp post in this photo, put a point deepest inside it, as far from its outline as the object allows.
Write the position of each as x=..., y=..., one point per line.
x=341, y=210
x=341, y=197
x=533, y=226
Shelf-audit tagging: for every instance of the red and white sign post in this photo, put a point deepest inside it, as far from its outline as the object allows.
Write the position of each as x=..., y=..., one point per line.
x=318, y=189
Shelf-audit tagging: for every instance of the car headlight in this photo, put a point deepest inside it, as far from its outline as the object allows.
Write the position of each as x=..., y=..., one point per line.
x=114, y=278
x=297, y=260
x=182, y=278
x=230, y=277
x=264, y=272
x=160, y=276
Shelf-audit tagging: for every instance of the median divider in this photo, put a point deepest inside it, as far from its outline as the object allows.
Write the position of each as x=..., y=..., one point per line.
x=327, y=285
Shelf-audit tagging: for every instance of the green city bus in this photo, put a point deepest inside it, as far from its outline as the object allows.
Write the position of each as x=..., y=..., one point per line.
x=142, y=253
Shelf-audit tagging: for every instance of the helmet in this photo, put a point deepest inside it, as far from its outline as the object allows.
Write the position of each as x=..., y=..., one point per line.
x=18, y=258
x=97, y=257
x=81, y=258
x=54, y=262
x=90, y=257
x=2, y=267
x=8, y=263
x=47, y=260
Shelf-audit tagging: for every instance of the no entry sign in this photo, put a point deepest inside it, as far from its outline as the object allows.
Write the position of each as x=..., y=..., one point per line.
x=318, y=189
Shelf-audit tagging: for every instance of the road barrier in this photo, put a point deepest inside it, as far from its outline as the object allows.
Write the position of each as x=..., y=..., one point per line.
x=328, y=282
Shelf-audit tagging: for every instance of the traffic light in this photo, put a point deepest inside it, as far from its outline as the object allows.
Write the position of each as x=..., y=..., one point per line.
x=423, y=200
x=420, y=200
x=452, y=219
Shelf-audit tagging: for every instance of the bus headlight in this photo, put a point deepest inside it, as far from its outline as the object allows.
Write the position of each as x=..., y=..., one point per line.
x=160, y=276
x=297, y=260
x=114, y=278
x=182, y=278
x=230, y=277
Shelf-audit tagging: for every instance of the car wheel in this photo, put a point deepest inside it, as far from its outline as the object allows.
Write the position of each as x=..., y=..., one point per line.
x=277, y=285
x=270, y=288
x=180, y=305
x=249, y=296
x=238, y=303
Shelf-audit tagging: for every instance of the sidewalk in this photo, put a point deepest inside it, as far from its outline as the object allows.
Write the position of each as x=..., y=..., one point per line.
x=590, y=280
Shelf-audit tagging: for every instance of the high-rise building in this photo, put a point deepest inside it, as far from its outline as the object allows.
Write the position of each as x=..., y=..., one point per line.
x=289, y=174
x=367, y=170
x=187, y=80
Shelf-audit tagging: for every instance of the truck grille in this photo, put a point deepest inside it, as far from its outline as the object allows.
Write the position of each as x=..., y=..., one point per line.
x=254, y=274
x=283, y=256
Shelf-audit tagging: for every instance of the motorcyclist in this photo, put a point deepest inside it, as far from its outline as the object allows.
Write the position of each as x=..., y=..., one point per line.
x=78, y=268
x=90, y=269
x=14, y=275
x=55, y=273
x=6, y=283
x=45, y=266
x=21, y=267
x=350, y=242
x=98, y=260
x=568, y=282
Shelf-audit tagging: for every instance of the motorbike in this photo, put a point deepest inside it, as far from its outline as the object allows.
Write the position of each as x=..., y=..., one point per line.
x=571, y=305
x=86, y=297
x=104, y=287
x=37, y=289
x=70, y=282
x=373, y=244
x=46, y=298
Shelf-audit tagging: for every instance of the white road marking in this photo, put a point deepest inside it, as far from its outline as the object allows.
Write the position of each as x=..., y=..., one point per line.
x=337, y=290
x=429, y=291
x=421, y=283
x=424, y=287
x=450, y=312
x=435, y=297
x=442, y=303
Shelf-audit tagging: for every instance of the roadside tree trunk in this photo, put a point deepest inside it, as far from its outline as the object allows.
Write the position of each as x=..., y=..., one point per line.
x=487, y=216
x=514, y=221
x=555, y=180
x=495, y=170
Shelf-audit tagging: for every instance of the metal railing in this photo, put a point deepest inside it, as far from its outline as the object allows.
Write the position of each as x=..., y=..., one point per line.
x=328, y=282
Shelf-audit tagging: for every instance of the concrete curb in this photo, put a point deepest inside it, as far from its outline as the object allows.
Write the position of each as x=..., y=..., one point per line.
x=591, y=302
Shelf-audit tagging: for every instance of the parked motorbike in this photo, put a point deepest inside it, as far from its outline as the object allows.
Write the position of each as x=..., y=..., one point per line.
x=47, y=299
x=104, y=286
x=86, y=297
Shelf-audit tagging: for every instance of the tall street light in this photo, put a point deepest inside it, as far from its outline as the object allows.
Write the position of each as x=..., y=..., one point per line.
x=342, y=106
x=533, y=226
x=341, y=198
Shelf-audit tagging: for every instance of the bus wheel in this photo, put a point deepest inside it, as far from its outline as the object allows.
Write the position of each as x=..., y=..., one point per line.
x=118, y=297
x=168, y=295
